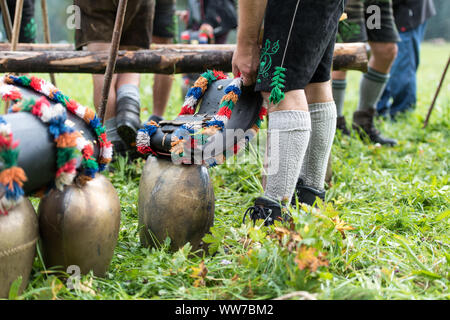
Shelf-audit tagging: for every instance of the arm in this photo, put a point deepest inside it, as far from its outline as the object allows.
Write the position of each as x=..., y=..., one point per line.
x=246, y=56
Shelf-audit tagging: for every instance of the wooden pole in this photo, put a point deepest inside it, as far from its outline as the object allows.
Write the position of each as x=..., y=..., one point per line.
x=47, y=32
x=6, y=19
x=438, y=90
x=163, y=61
x=117, y=33
x=17, y=23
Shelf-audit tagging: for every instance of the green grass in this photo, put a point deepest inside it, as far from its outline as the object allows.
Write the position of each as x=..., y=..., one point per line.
x=396, y=199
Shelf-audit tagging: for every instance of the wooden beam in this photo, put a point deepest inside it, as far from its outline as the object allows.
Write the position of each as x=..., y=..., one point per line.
x=164, y=60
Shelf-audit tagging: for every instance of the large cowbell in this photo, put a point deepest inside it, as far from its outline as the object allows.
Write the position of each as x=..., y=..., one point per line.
x=37, y=150
x=244, y=116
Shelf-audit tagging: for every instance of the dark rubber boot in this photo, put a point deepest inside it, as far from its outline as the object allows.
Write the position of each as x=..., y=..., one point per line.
x=157, y=119
x=128, y=120
x=306, y=195
x=364, y=125
x=265, y=209
x=341, y=125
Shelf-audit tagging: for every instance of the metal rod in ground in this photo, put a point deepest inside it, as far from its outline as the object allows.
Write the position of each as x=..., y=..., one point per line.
x=6, y=19
x=47, y=32
x=17, y=23
x=430, y=110
x=118, y=26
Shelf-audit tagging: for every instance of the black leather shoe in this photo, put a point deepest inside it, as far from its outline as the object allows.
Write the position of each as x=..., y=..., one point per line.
x=364, y=126
x=157, y=119
x=128, y=120
x=265, y=209
x=306, y=195
x=341, y=125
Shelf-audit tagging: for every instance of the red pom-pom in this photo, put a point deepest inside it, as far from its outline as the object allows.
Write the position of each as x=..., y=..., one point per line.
x=36, y=84
x=262, y=113
x=88, y=151
x=72, y=106
x=186, y=110
x=236, y=148
x=13, y=95
x=220, y=75
x=69, y=167
x=225, y=111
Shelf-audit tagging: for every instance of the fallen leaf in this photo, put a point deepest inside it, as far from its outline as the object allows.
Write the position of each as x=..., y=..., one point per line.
x=308, y=259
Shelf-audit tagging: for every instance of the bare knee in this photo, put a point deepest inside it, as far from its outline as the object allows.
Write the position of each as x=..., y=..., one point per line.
x=384, y=52
x=319, y=92
x=293, y=100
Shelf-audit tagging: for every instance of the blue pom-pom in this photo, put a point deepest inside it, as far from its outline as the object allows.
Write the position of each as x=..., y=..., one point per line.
x=195, y=92
x=234, y=89
x=2, y=121
x=58, y=97
x=217, y=123
x=90, y=172
x=57, y=126
x=150, y=129
x=15, y=193
x=95, y=122
x=102, y=167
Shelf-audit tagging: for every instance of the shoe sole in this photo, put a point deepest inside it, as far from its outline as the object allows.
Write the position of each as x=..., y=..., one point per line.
x=128, y=134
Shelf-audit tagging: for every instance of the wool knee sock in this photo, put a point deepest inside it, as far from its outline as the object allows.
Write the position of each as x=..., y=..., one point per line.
x=371, y=89
x=323, y=128
x=288, y=135
x=339, y=87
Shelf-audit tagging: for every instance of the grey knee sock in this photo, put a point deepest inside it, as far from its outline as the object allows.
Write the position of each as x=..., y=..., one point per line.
x=323, y=128
x=129, y=91
x=339, y=87
x=288, y=134
x=371, y=88
x=111, y=130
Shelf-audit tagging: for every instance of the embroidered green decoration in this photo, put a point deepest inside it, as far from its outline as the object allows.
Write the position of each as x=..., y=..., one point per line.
x=30, y=31
x=277, y=94
x=266, y=58
x=348, y=30
x=278, y=81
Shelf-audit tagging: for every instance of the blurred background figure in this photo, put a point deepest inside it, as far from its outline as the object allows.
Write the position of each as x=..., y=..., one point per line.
x=207, y=22
x=122, y=116
x=400, y=94
x=163, y=33
x=28, y=25
x=382, y=40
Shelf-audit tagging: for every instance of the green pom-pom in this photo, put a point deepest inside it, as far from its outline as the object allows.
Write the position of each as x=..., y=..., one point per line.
x=9, y=157
x=28, y=104
x=227, y=103
x=25, y=80
x=64, y=155
x=99, y=130
x=277, y=94
x=209, y=75
x=90, y=163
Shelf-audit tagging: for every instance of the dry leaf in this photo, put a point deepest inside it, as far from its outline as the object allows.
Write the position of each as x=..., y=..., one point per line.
x=307, y=259
x=56, y=288
x=199, y=273
x=341, y=226
x=86, y=286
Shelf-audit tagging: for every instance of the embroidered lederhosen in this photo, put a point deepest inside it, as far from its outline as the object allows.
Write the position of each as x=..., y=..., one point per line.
x=309, y=52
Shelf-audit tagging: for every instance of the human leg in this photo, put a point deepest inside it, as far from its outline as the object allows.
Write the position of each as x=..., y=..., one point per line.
x=339, y=85
x=163, y=33
x=162, y=86
x=289, y=121
x=383, y=44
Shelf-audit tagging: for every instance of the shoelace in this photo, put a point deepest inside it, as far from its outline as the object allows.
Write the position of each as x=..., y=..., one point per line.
x=257, y=213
